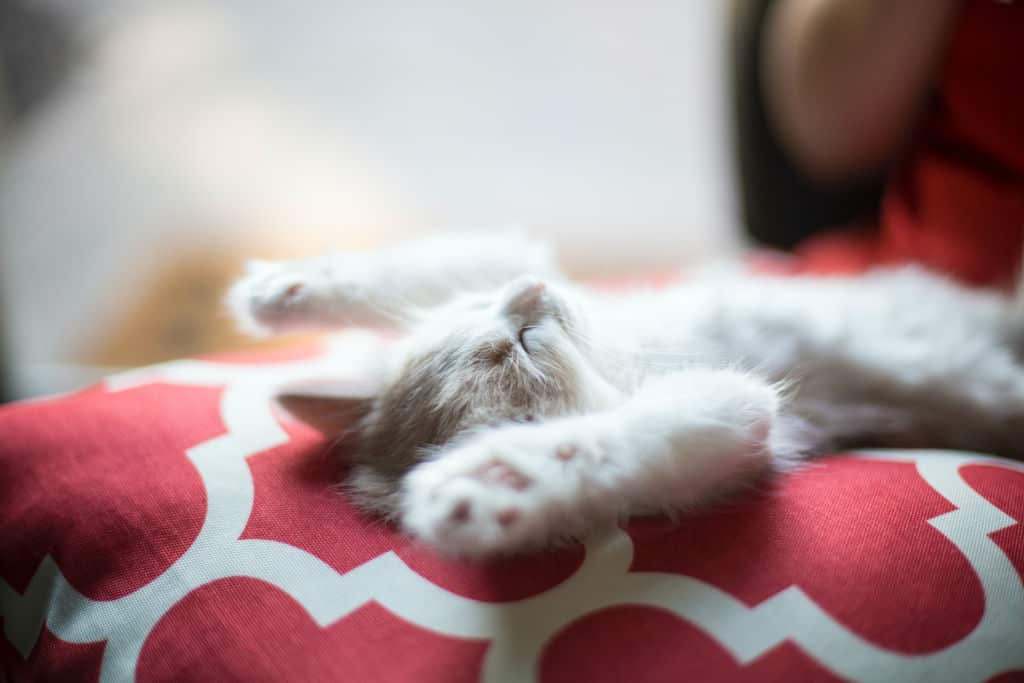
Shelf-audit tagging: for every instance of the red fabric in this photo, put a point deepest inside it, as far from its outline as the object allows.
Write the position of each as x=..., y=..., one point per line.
x=129, y=491
x=857, y=574
x=244, y=630
x=682, y=651
x=956, y=204
x=92, y=475
x=51, y=660
x=991, y=483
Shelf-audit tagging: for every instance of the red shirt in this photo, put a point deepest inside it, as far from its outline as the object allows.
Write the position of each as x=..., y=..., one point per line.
x=956, y=203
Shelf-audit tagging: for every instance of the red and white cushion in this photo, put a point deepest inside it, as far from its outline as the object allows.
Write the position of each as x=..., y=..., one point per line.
x=173, y=524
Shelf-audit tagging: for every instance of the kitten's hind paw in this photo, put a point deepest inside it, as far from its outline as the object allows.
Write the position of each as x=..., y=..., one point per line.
x=498, y=493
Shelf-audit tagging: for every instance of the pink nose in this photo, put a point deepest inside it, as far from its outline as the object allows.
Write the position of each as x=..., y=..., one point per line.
x=526, y=297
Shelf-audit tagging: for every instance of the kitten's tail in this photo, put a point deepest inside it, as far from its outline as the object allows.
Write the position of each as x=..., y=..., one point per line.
x=794, y=439
x=811, y=428
x=1015, y=314
x=1018, y=292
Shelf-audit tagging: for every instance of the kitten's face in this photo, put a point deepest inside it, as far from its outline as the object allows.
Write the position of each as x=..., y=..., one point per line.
x=509, y=355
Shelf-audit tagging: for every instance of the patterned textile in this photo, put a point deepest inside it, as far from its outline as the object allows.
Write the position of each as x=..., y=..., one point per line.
x=174, y=524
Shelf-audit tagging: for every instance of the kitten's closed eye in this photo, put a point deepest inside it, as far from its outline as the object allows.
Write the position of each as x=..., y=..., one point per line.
x=524, y=337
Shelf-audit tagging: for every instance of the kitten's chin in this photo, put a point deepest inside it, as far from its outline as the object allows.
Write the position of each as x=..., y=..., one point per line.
x=594, y=392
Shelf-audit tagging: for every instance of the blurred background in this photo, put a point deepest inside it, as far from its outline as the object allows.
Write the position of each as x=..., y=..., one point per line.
x=148, y=148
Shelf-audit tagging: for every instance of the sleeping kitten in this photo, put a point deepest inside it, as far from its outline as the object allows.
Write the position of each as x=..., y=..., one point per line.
x=519, y=409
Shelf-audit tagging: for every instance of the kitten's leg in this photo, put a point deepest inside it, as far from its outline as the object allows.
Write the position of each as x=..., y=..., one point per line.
x=682, y=439
x=378, y=288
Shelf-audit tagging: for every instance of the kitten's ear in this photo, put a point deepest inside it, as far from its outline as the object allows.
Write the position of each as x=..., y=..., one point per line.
x=332, y=408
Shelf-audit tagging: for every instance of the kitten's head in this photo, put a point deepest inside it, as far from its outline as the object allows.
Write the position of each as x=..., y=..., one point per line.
x=514, y=354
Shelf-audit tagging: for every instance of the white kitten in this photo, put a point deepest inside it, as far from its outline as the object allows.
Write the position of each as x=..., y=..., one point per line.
x=519, y=409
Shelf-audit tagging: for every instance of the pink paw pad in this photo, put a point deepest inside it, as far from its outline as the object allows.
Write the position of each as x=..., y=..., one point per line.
x=566, y=452
x=500, y=473
x=461, y=512
x=507, y=518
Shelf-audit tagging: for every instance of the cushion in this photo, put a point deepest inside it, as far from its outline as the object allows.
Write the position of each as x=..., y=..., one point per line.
x=173, y=523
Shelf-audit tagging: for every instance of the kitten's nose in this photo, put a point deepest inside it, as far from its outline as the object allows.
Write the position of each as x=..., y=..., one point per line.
x=526, y=297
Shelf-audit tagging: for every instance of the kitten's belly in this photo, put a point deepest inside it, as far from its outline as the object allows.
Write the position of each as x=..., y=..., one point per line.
x=785, y=327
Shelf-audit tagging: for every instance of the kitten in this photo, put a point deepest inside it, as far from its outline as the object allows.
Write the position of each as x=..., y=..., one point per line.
x=519, y=409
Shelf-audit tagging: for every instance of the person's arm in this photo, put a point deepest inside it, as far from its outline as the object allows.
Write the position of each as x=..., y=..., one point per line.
x=844, y=80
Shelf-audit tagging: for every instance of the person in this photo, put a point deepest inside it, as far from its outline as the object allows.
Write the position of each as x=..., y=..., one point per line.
x=932, y=90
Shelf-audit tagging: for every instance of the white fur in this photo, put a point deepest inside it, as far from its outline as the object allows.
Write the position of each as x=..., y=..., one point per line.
x=379, y=288
x=677, y=439
x=674, y=396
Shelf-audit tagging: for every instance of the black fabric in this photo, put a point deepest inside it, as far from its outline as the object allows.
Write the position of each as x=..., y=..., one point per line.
x=781, y=205
x=36, y=51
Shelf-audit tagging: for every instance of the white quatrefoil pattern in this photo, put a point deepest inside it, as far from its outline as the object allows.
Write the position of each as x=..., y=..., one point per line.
x=174, y=524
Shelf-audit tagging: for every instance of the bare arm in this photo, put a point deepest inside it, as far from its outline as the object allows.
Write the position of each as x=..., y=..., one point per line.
x=845, y=79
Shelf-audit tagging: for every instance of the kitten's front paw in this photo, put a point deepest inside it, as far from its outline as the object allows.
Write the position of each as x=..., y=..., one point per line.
x=504, y=492
x=273, y=296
